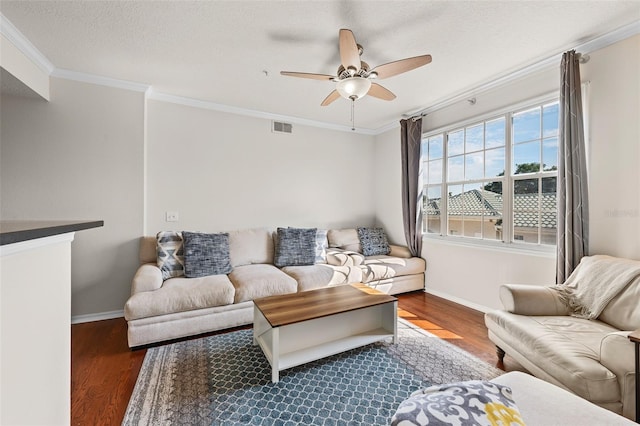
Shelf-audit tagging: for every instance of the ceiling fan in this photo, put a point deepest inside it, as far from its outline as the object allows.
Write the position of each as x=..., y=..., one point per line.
x=353, y=79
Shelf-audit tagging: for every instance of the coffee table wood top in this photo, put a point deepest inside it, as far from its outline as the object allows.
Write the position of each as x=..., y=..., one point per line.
x=297, y=307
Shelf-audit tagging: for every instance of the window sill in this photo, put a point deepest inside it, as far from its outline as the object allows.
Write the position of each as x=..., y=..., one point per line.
x=525, y=249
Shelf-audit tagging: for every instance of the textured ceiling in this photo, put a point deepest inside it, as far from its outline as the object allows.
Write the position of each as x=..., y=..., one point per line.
x=218, y=50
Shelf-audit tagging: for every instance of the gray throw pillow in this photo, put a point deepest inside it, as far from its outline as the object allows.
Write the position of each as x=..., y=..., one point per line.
x=321, y=246
x=170, y=254
x=295, y=247
x=373, y=241
x=474, y=402
x=206, y=254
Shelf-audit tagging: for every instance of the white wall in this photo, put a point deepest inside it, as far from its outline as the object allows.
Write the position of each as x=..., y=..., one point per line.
x=223, y=171
x=614, y=166
x=79, y=156
x=388, y=185
x=460, y=271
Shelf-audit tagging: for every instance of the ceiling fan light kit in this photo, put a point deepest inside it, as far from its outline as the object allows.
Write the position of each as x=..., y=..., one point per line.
x=353, y=87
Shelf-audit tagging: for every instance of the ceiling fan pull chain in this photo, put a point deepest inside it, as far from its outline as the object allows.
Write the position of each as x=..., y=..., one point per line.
x=353, y=115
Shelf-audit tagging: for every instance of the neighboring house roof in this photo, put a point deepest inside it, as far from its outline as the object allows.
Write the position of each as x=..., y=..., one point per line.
x=489, y=204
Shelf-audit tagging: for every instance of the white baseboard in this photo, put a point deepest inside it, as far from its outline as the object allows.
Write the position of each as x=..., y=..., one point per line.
x=458, y=300
x=78, y=319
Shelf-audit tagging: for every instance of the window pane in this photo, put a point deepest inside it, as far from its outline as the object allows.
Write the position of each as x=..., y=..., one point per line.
x=454, y=216
x=524, y=186
x=455, y=168
x=494, y=133
x=432, y=209
x=456, y=143
x=526, y=158
x=550, y=154
x=474, y=166
x=472, y=210
x=435, y=147
x=526, y=125
x=549, y=209
x=550, y=120
x=435, y=172
x=526, y=202
x=492, y=215
x=494, y=162
x=474, y=138
x=434, y=193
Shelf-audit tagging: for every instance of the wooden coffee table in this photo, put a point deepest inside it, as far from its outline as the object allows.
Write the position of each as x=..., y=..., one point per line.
x=297, y=328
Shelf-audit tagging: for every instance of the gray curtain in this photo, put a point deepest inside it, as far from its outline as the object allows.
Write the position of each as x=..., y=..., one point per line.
x=573, y=201
x=411, y=138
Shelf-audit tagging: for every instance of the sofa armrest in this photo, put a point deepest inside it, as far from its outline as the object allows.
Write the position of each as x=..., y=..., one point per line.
x=617, y=353
x=399, y=251
x=532, y=300
x=148, y=277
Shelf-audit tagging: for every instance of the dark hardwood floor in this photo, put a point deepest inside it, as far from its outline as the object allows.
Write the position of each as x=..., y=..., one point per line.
x=104, y=370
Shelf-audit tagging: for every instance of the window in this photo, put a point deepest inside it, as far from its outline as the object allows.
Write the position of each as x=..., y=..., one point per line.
x=494, y=179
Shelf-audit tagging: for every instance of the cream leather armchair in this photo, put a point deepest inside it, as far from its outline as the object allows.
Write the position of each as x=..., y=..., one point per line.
x=592, y=358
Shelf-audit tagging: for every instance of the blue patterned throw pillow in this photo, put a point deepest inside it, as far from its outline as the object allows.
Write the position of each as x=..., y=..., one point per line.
x=170, y=254
x=373, y=241
x=474, y=402
x=206, y=254
x=295, y=247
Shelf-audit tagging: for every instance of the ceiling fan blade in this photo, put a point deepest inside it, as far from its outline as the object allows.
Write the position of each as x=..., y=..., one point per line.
x=380, y=92
x=307, y=75
x=403, y=65
x=349, y=53
x=332, y=97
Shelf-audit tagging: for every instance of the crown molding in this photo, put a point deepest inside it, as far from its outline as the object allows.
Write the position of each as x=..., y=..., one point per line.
x=11, y=33
x=8, y=30
x=587, y=47
x=100, y=80
x=197, y=103
x=386, y=127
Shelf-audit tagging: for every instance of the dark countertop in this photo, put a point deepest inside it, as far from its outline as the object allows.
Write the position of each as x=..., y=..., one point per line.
x=15, y=231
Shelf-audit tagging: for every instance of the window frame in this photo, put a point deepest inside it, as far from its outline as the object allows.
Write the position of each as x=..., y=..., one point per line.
x=508, y=180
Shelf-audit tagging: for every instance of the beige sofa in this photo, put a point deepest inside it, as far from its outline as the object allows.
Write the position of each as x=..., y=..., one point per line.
x=178, y=307
x=592, y=358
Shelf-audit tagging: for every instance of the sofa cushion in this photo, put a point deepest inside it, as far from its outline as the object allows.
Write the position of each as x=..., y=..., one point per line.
x=170, y=252
x=376, y=268
x=322, y=275
x=567, y=348
x=295, y=247
x=181, y=295
x=622, y=312
x=254, y=281
x=373, y=241
x=249, y=246
x=148, y=252
x=205, y=254
x=346, y=239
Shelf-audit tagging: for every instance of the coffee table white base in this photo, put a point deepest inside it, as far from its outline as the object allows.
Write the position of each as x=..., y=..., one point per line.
x=298, y=343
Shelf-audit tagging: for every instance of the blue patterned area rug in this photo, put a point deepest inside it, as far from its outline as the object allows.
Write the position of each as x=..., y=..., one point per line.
x=225, y=380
